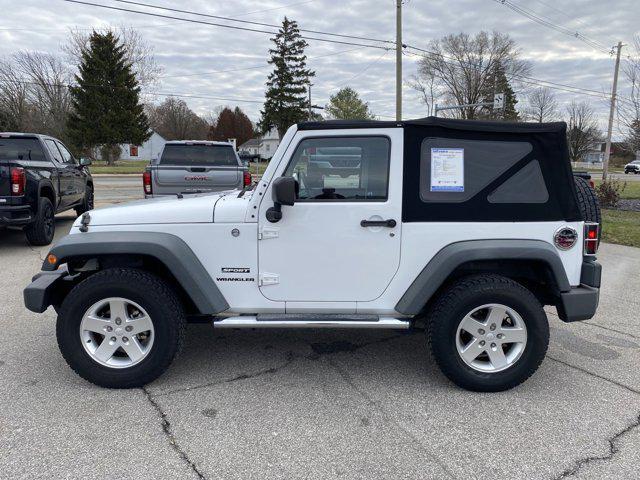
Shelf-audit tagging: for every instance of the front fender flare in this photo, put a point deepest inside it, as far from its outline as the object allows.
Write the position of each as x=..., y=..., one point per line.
x=436, y=272
x=168, y=249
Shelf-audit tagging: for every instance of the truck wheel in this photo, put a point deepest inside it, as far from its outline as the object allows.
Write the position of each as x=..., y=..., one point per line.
x=120, y=328
x=587, y=201
x=87, y=203
x=488, y=333
x=42, y=230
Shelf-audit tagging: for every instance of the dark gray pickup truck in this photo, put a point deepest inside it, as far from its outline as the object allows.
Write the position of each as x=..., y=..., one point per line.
x=195, y=166
x=39, y=177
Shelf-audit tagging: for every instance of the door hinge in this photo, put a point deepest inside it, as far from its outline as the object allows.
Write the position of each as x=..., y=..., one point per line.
x=268, y=232
x=265, y=279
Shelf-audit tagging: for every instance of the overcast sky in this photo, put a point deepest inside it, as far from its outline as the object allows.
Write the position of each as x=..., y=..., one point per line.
x=184, y=48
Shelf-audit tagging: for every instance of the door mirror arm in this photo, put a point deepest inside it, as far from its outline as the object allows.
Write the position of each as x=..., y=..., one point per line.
x=283, y=192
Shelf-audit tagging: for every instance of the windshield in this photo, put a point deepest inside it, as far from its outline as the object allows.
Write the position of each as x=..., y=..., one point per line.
x=21, y=149
x=189, y=155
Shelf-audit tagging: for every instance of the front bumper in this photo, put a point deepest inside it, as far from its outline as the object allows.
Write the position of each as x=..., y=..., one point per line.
x=15, y=215
x=580, y=303
x=40, y=292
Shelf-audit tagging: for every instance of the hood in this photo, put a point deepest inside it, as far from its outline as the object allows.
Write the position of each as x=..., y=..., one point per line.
x=170, y=209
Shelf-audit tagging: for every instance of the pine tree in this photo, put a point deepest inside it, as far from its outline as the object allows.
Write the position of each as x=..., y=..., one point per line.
x=232, y=124
x=285, y=99
x=500, y=84
x=347, y=105
x=106, y=103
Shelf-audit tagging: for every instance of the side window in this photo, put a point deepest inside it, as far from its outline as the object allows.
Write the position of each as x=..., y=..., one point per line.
x=53, y=150
x=342, y=168
x=66, y=155
x=454, y=170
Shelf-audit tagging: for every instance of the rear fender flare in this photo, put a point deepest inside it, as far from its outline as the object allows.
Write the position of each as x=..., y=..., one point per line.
x=440, y=267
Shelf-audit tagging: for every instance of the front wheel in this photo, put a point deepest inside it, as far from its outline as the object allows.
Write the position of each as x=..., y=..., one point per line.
x=488, y=333
x=120, y=328
x=87, y=202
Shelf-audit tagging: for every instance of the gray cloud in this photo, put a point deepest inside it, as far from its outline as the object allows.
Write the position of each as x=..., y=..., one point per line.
x=184, y=49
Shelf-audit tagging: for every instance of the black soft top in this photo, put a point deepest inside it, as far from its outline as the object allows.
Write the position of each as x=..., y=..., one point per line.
x=468, y=125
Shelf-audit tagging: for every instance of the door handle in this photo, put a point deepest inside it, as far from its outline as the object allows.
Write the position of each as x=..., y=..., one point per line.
x=378, y=223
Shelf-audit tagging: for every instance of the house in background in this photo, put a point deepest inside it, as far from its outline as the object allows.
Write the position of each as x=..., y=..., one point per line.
x=595, y=153
x=146, y=152
x=264, y=146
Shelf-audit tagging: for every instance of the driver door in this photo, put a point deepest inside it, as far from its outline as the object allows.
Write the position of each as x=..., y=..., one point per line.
x=325, y=248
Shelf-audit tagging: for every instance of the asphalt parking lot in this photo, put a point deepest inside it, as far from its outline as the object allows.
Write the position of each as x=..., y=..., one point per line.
x=320, y=404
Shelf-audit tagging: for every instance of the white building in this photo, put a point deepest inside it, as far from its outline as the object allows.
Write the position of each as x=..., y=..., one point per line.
x=147, y=151
x=264, y=146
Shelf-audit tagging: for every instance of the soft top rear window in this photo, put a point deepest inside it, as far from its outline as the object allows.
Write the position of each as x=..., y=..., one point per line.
x=199, y=154
x=24, y=148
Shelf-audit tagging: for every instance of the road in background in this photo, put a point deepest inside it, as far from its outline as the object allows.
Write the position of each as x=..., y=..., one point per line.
x=117, y=188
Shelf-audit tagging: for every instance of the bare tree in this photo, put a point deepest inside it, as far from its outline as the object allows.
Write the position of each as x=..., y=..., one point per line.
x=174, y=120
x=463, y=67
x=16, y=110
x=543, y=106
x=629, y=102
x=48, y=90
x=138, y=52
x=425, y=85
x=582, y=130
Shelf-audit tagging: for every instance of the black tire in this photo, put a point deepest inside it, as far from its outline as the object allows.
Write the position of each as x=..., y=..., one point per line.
x=587, y=201
x=464, y=296
x=148, y=291
x=42, y=230
x=87, y=203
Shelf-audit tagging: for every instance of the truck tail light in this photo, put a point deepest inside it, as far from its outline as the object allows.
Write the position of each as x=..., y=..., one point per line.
x=246, y=178
x=18, y=181
x=591, y=231
x=146, y=182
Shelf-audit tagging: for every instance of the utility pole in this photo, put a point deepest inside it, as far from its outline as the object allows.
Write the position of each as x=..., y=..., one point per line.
x=309, y=116
x=398, y=60
x=614, y=92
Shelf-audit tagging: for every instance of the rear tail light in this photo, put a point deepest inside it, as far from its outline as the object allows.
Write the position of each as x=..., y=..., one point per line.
x=592, y=184
x=18, y=181
x=591, y=231
x=246, y=178
x=146, y=182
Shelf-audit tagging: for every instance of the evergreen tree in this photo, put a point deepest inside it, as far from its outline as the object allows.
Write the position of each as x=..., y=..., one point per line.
x=286, y=96
x=232, y=124
x=347, y=105
x=500, y=84
x=106, y=103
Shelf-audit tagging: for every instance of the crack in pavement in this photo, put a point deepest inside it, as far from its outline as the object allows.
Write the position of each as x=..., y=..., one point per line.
x=415, y=441
x=166, y=428
x=613, y=450
x=580, y=369
x=598, y=326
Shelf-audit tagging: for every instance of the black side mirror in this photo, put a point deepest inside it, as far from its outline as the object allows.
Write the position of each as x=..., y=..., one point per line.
x=85, y=162
x=283, y=192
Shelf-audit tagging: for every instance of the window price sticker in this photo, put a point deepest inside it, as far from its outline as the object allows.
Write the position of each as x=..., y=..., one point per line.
x=447, y=170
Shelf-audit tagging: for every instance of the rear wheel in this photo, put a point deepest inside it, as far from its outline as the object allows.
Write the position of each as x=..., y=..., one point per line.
x=42, y=230
x=488, y=333
x=120, y=328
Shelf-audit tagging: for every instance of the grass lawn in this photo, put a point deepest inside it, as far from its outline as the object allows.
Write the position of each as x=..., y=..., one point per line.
x=632, y=190
x=121, y=166
x=137, y=166
x=621, y=227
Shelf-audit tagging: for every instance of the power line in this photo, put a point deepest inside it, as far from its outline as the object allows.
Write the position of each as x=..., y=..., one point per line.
x=530, y=14
x=231, y=19
x=233, y=27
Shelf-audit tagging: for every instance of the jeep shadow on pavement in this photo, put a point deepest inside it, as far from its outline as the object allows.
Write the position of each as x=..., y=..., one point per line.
x=470, y=226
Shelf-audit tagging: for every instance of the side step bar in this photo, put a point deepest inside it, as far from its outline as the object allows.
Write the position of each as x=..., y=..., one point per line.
x=311, y=321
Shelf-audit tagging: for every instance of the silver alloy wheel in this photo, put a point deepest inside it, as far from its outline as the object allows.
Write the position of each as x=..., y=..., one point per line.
x=116, y=332
x=491, y=338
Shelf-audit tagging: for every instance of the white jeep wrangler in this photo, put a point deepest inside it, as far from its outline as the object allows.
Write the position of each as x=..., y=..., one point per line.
x=469, y=226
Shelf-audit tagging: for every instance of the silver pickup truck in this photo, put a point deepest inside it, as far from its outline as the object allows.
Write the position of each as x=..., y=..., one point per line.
x=195, y=166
